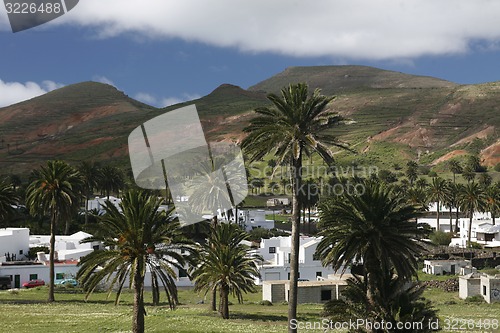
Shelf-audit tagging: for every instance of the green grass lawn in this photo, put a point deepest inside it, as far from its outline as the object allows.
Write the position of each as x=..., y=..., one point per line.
x=27, y=311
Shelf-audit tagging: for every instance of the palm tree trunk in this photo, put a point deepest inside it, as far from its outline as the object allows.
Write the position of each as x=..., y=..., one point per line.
x=224, y=302
x=53, y=221
x=437, y=216
x=66, y=228
x=294, y=256
x=451, y=219
x=138, y=319
x=86, y=210
x=213, y=303
x=469, y=233
x=456, y=220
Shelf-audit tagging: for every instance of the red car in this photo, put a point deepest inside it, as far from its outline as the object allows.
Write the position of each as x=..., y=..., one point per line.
x=33, y=284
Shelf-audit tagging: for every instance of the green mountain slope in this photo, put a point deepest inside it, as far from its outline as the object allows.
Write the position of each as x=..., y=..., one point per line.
x=395, y=117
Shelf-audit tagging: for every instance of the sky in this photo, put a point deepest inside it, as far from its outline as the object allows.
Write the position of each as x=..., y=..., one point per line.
x=163, y=52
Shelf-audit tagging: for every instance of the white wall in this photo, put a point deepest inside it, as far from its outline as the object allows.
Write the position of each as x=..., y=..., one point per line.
x=14, y=241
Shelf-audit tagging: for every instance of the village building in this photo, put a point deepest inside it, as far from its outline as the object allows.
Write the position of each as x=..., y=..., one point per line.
x=488, y=286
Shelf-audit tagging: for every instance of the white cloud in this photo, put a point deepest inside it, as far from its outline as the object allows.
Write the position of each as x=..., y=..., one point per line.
x=164, y=101
x=103, y=79
x=373, y=29
x=15, y=92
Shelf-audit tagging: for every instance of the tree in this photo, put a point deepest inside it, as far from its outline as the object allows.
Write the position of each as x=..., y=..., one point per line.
x=468, y=174
x=412, y=171
x=375, y=228
x=295, y=126
x=493, y=200
x=55, y=190
x=403, y=303
x=139, y=237
x=8, y=198
x=225, y=264
x=437, y=192
x=455, y=168
x=110, y=180
x=90, y=177
x=485, y=180
x=451, y=201
x=471, y=199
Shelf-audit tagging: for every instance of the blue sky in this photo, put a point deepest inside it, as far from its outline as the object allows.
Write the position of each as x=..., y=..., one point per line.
x=162, y=52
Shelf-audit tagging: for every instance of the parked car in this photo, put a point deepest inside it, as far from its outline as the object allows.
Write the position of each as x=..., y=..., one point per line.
x=5, y=282
x=67, y=282
x=33, y=283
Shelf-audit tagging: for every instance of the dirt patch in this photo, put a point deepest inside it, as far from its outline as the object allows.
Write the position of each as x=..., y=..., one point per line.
x=483, y=134
x=490, y=156
x=449, y=156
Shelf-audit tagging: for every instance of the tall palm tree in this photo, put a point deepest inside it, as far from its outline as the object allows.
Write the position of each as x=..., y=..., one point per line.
x=451, y=201
x=8, y=198
x=139, y=238
x=55, y=191
x=295, y=126
x=110, y=179
x=455, y=167
x=90, y=177
x=437, y=192
x=375, y=228
x=412, y=171
x=471, y=199
x=225, y=264
x=493, y=200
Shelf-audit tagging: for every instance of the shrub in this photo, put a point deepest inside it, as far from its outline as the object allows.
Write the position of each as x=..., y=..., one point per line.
x=475, y=299
x=266, y=302
x=440, y=238
x=497, y=167
x=14, y=291
x=432, y=174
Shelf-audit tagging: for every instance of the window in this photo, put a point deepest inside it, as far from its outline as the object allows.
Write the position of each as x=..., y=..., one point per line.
x=272, y=249
x=59, y=276
x=95, y=247
x=20, y=251
x=316, y=256
x=320, y=274
x=484, y=290
x=182, y=273
x=288, y=276
x=326, y=295
x=33, y=276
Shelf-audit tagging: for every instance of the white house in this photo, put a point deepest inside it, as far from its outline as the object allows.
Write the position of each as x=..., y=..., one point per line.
x=441, y=267
x=14, y=243
x=67, y=247
x=473, y=284
x=483, y=232
x=276, y=253
x=21, y=272
x=256, y=219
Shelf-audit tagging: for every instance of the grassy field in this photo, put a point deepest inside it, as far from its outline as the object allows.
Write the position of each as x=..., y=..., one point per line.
x=27, y=311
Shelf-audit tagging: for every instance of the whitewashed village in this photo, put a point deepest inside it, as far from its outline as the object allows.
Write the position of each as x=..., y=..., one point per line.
x=316, y=283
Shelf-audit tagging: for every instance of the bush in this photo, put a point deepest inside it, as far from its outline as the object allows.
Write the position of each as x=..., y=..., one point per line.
x=497, y=167
x=14, y=292
x=266, y=302
x=432, y=174
x=475, y=299
x=440, y=238
x=475, y=245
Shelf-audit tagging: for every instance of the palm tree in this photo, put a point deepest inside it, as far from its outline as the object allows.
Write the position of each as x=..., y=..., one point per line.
x=437, y=192
x=226, y=265
x=493, y=200
x=110, y=180
x=468, y=174
x=403, y=302
x=139, y=238
x=55, y=191
x=471, y=199
x=455, y=168
x=375, y=228
x=90, y=177
x=412, y=171
x=295, y=126
x=8, y=198
x=451, y=201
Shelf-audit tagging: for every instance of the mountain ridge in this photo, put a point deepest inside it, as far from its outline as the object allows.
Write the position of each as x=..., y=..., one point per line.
x=394, y=114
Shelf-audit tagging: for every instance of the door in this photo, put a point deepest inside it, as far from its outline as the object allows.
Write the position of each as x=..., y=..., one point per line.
x=453, y=270
x=17, y=281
